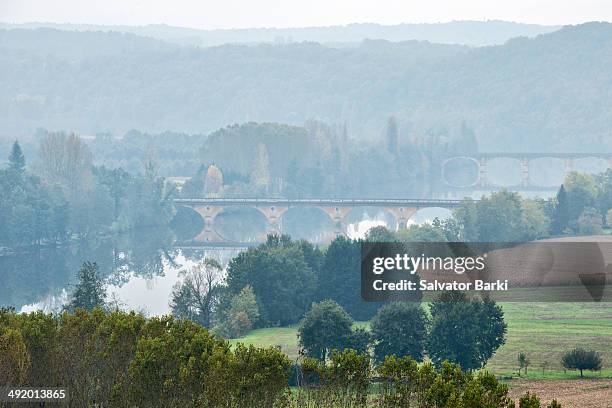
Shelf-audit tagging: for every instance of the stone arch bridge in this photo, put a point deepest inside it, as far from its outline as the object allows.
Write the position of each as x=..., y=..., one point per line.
x=274, y=208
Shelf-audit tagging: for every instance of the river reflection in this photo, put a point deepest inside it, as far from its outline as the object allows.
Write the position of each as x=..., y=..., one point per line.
x=140, y=270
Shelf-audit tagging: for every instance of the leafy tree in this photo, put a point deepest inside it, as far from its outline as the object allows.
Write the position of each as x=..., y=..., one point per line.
x=449, y=227
x=66, y=161
x=14, y=358
x=422, y=233
x=561, y=213
x=466, y=143
x=359, y=340
x=150, y=163
x=260, y=177
x=213, y=183
x=604, y=186
x=339, y=278
x=17, y=161
x=195, y=297
x=399, y=329
x=523, y=362
x=170, y=363
x=590, y=221
x=282, y=280
x=535, y=222
x=194, y=187
x=325, y=327
x=581, y=193
x=392, y=136
x=500, y=217
x=90, y=291
x=242, y=313
x=467, y=220
x=581, y=359
x=116, y=181
x=379, y=234
x=39, y=333
x=464, y=331
x=148, y=203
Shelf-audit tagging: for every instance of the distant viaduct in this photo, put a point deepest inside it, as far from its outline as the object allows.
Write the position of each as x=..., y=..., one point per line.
x=482, y=162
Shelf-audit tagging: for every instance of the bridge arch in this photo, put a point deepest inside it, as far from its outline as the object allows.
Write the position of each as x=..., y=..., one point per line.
x=449, y=162
x=427, y=214
x=186, y=223
x=310, y=223
x=241, y=224
x=506, y=171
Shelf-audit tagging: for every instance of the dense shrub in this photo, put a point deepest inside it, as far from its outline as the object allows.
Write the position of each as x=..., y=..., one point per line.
x=343, y=381
x=122, y=359
x=348, y=380
x=117, y=359
x=406, y=384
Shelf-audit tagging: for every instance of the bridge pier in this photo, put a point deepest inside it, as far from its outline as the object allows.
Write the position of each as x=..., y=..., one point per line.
x=401, y=215
x=273, y=216
x=569, y=165
x=483, y=172
x=338, y=215
x=208, y=214
x=525, y=172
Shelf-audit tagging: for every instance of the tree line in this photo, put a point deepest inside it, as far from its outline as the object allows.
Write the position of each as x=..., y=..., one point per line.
x=119, y=359
x=322, y=160
x=462, y=330
x=583, y=205
x=64, y=196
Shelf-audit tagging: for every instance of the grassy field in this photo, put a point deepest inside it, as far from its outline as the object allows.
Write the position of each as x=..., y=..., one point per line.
x=541, y=330
x=545, y=330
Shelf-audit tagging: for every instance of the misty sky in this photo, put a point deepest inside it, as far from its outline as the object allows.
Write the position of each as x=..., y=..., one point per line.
x=299, y=13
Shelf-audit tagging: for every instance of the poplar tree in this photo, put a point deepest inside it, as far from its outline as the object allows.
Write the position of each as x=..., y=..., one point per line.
x=17, y=161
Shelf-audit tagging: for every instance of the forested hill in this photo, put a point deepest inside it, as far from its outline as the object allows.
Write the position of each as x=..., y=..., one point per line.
x=473, y=33
x=76, y=46
x=552, y=92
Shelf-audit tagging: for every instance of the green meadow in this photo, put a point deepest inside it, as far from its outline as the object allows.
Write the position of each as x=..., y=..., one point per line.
x=544, y=331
